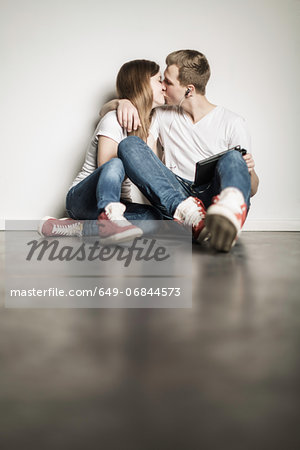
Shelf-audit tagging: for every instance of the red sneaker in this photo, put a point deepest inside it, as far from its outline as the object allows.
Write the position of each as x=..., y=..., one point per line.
x=114, y=227
x=50, y=226
x=225, y=218
x=191, y=213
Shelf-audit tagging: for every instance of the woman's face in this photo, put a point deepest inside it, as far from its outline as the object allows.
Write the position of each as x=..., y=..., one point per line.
x=158, y=90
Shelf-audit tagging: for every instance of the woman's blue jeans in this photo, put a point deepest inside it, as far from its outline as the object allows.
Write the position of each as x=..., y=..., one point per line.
x=87, y=199
x=165, y=190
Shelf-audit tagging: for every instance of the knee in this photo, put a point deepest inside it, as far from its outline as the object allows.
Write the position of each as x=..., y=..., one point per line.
x=129, y=145
x=115, y=163
x=114, y=167
x=233, y=155
x=233, y=158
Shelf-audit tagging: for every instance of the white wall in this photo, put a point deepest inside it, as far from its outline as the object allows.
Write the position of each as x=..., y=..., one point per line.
x=59, y=60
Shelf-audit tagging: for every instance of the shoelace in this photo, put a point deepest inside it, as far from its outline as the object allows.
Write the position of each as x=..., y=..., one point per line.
x=239, y=211
x=66, y=230
x=193, y=218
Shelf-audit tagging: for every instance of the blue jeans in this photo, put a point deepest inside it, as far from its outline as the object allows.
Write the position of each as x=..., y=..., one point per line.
x=165, y=190
x=87, y=199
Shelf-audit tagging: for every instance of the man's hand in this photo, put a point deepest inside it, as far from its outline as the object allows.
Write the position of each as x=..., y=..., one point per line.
x=249, y=161
x=128, y=116
x=254, y=178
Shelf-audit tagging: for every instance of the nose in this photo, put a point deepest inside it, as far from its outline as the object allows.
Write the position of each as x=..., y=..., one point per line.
x=163, y=86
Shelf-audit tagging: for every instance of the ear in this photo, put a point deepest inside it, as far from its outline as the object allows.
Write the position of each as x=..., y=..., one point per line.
x=190, y=90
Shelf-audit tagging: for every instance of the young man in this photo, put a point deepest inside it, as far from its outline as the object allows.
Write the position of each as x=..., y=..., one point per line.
x=190, y=129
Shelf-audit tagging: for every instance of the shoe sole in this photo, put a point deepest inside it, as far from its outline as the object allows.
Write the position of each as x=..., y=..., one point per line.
x=128, y=235
x=204, y=235
x=222, y=231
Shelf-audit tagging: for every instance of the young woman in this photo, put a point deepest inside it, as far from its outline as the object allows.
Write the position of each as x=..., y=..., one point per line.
x=99, y=191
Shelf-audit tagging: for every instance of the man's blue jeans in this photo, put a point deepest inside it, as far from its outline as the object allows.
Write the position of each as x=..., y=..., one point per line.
x=87, y=199
x=165, y=190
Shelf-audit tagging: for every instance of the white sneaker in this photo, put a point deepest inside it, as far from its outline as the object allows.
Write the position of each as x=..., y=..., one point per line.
x=225, y=218
x=191, y=213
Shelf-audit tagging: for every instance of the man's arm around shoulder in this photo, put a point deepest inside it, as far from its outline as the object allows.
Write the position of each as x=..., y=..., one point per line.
x=127, y=113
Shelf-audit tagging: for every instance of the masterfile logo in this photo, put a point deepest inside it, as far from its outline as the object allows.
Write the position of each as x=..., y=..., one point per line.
x=152, y=271
x=140, y=249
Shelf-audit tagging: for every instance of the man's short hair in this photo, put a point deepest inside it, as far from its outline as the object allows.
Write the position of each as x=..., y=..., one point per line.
x=193, y=68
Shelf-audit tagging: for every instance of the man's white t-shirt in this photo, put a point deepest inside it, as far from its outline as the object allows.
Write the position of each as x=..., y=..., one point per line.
x=185, y=142
x=108, y=127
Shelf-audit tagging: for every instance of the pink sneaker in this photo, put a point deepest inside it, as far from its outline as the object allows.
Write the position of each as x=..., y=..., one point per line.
x=225, y=218
x=50, y=226
x=114, y=227
x=191, y=213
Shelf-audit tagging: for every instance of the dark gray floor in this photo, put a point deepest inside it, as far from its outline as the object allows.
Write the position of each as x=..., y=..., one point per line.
x=222, y=375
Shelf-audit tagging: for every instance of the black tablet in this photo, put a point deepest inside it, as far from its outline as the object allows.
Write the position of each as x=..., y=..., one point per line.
x=205, y=169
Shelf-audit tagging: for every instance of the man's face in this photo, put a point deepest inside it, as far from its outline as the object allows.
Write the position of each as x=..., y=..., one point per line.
x=174, y=92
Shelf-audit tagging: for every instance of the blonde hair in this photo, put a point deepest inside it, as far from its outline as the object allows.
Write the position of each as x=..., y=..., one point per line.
x=133, y=83
x=193, y=68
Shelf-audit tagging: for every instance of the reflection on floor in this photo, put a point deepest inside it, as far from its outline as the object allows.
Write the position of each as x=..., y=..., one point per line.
x=221, y=375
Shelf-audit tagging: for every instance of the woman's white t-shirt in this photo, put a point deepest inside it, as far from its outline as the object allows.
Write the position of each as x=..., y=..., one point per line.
x=108, y=127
